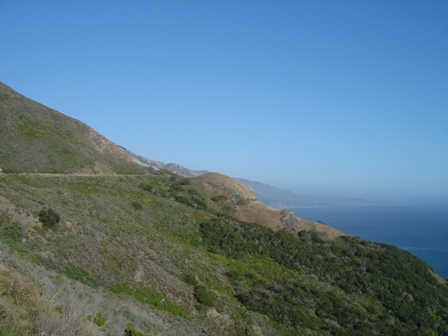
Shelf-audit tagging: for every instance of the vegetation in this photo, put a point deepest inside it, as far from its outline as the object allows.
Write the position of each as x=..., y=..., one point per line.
x=176, y=187
x=137, y=206
x=24, y=310
x=185, y=261
x=150, y=296
x=367, y=273
x=48, y=217
x=130, y=331
x=99, y=319
x=204, y=296
x=11, y=233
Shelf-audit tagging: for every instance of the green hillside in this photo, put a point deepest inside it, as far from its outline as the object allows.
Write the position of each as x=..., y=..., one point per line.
x=163, y=254
x=35, y=138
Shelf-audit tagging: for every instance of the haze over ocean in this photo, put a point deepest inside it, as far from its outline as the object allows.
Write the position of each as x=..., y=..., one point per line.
x=420, y=230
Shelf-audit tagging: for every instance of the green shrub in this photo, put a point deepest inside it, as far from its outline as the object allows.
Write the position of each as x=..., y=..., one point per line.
x=130, y=331
x=204, y=296
x=150, y=296
x=137, y=206
x=5, y=331
x=191, y=280
x=12, y=234
x=219, y=198
x=78, y=273
x=48, y=217
x=99, y=319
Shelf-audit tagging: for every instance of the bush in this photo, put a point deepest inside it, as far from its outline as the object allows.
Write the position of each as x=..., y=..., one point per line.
x=48, y=217
x=204, y=296
x=219, y=198
x=130, y=331
x=150, y=296
x=12, y=234
x=76, y=272
x=137, y=206
x=99, y=319
x=191, y=280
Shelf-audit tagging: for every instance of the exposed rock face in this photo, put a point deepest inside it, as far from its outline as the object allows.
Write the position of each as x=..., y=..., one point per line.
x=244, y=206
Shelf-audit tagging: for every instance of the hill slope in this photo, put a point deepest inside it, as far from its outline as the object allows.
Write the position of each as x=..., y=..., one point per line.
x=36, y=138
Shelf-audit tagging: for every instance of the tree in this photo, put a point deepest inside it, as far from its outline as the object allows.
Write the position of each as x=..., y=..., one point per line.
x=48, y=217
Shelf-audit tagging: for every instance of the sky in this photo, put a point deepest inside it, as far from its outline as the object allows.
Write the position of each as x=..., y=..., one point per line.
x=335, y=98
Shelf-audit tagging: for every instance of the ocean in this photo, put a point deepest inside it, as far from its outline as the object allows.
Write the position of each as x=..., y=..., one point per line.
x=420, y=230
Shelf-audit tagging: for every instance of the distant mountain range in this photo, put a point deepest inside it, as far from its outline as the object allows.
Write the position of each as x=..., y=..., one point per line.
x=267, y=194
x=284, y=199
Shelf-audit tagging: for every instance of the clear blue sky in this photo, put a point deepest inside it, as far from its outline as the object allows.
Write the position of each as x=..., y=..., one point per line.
x=337, y=98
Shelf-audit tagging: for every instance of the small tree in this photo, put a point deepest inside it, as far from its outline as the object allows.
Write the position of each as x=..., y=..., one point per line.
x=48, y=217
x=204, y=296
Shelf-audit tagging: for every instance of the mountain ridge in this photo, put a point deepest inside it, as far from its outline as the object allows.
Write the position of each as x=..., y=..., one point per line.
x=36, y=138
x=157, y=165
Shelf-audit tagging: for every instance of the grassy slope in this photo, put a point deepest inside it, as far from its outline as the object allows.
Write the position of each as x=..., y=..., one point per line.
x=142, y=236
x=34, y=137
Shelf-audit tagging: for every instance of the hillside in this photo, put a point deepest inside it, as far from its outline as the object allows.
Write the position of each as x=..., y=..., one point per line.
x=35, y=138
x=163, y=254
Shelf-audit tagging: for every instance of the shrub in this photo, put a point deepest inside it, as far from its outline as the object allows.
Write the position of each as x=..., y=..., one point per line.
x=204, y=296
x=99, y=319
x=219, y=198
x=12, y=234
x=130, y=331
x=150, y=296
x=76, y=272
x=137, y=206
x=48, y=217
x=191, y=280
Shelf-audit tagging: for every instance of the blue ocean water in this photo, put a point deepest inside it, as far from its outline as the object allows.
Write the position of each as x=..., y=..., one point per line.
x=420, y=230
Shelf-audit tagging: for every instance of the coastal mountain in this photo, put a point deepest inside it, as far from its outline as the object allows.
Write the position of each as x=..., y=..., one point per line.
x=35, y=138
x=94, y=243
x=284, y=199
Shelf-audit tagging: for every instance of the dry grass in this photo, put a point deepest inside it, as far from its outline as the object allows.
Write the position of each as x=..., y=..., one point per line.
x=24, y=309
